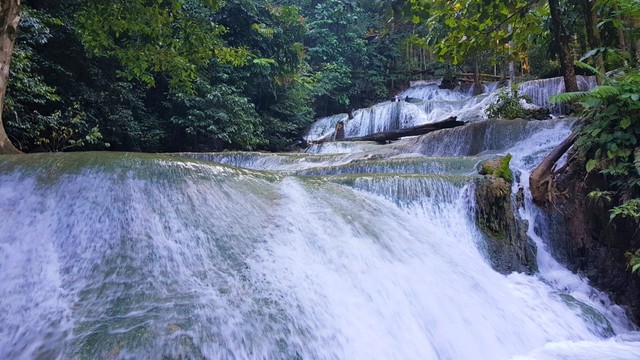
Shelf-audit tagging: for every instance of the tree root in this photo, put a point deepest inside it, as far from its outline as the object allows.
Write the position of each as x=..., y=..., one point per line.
x=541, y=178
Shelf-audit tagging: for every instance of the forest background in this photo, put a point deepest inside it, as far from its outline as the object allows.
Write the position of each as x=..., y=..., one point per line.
x=196, y=75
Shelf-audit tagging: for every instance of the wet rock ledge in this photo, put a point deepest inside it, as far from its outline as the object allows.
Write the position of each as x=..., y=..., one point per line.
x=506, y=240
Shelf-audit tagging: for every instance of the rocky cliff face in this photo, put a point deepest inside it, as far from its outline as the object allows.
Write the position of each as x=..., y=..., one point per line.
x=582, y=236
x=506, y=240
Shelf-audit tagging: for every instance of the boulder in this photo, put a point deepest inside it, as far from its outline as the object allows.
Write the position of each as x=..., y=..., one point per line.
x=582, y=235
x=505, y=233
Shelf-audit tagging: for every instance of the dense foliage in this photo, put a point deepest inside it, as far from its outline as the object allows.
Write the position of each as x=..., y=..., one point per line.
x=201, y=75
x=508, y=105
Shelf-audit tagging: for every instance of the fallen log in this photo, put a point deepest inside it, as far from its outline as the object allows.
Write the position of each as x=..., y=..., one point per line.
x=385, y=136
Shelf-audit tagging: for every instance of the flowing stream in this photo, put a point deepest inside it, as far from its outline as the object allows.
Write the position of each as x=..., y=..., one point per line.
x=359, y=251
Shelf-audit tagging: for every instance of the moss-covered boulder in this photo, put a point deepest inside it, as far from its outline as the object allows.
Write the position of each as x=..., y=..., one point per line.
x=498, y=168
x=506, y=240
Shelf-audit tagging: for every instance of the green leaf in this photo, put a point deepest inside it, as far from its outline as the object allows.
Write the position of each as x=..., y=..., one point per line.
x=625, y=123
x=591, y=164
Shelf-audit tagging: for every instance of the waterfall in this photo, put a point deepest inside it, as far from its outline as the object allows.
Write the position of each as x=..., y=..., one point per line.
x=324, y=127
x=115, y=255
x=426, y=103
x=351, y=251
x=540, y=90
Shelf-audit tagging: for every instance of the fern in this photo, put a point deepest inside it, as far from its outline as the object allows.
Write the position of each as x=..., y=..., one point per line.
x=588, y=67
x=569, y=97
x=598, y=92
x=605, y=91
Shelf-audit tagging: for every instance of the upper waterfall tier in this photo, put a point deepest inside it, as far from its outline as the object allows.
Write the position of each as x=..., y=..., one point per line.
x=426, y=103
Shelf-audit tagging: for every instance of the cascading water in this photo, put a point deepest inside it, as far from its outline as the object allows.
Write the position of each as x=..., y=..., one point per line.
x=540, y=90
x=426, y=103
x=421, y=104
x=368, y=254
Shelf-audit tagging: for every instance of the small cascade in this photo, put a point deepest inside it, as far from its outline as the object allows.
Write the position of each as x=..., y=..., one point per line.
x=481, y=137
x=540, y=90
x=409, y=165
x=408, y=190
x=324, y=128
x=426, y=103
x=378, y=118
x=595, y=306
x=281, y=162
x=432, y=92
x=421, y=104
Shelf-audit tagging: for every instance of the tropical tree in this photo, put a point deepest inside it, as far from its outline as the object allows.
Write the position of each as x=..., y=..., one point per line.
x=152, y=41
x=501, y=30
x=561, y=37
x=9, y=20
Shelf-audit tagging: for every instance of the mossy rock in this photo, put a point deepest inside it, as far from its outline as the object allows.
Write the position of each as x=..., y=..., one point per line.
x=498, y=168
x=506, y=242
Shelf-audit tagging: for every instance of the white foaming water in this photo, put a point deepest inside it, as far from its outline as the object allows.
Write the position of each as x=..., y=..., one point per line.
x=540, y=90
x=432, y=92
x=324, y=127
x=125, y=256
x=153, y=258
x=427, y=103
x=527, y=154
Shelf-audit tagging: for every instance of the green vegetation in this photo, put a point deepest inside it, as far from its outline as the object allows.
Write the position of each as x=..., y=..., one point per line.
x=499, y=168
x=508, y=105
x=203, y=75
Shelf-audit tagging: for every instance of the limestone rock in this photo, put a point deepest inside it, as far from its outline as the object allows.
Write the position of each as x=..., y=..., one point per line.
x=507, y=243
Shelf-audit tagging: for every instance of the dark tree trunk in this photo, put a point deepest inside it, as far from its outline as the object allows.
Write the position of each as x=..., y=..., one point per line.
x=477, y=83
x=635, y=51
x=9, y=20
x=562, y=41
x=396, y=134
x=593, y=33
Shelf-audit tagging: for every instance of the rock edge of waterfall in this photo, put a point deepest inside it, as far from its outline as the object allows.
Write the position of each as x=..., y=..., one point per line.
x=582, y=235
x=505, y=233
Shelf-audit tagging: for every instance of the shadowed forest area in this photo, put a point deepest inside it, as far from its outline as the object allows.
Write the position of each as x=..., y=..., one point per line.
x=196, y=75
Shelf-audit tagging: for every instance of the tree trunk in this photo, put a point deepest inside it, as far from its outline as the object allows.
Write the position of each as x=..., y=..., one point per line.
x=635, y=22
x=622, y=42
x=477, y=83
x=562, y=42
x=512, y=70
x=593, y=34
x=540, y=180
x=383, y=137
x=9, y=20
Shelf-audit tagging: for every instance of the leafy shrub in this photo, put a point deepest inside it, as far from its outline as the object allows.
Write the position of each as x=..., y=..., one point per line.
x=215, y=118
x=508, y=105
